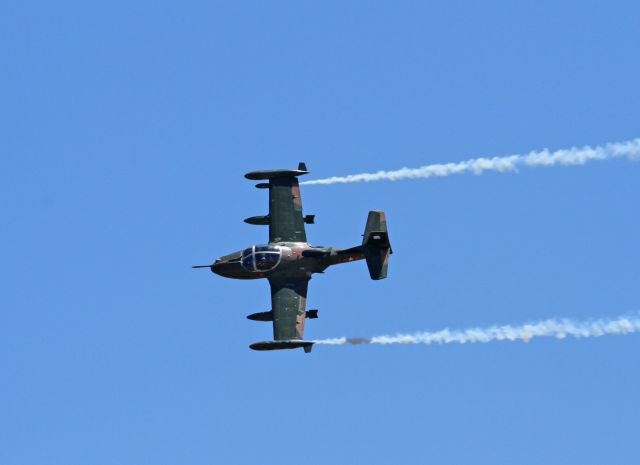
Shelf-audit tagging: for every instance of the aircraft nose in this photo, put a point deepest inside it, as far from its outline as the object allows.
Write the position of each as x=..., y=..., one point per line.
x=215, y=267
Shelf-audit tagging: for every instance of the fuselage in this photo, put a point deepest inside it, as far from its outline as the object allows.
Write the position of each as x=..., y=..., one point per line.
x=294, y=259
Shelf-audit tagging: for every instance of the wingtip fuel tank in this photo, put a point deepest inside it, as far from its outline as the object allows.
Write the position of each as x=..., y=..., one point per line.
x=281, y=345
x=268, y=174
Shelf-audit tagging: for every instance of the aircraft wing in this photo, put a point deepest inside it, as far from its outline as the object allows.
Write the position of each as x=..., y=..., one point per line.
x=285, y=220
x=288, y=302
x=286, y=223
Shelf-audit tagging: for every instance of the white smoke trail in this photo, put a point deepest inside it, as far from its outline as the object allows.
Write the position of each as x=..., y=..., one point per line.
x=573, y=156
x=549, y=328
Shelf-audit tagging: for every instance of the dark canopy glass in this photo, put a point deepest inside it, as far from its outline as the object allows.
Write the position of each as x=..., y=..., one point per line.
x=261, y=257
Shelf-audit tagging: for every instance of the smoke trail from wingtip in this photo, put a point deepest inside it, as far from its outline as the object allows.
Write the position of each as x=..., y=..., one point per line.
x=573, y=156
x=559, y=329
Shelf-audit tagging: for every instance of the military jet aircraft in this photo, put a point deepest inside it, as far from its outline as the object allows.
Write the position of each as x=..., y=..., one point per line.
x=288, y=261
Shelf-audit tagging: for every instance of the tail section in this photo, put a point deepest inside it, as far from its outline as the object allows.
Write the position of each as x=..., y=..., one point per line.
x=376, y=246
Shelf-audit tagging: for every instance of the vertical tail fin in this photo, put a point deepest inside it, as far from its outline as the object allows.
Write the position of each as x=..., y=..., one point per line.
x=376, y=246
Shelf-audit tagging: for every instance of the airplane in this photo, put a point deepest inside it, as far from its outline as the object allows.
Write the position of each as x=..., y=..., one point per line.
x=288, y=261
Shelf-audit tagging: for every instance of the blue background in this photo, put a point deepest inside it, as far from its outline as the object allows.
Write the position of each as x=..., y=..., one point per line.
x=126, y=129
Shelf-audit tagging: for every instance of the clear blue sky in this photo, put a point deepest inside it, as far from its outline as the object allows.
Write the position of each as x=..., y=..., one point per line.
x=126, y=130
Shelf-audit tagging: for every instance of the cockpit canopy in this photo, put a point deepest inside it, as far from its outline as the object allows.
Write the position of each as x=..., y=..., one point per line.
x=261, y=257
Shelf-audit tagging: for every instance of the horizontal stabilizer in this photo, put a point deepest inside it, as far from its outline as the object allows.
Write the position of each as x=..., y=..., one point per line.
x=281, y=345
x=376, y=246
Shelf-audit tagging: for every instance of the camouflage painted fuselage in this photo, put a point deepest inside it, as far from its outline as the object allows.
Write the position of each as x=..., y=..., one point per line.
x=299, y=260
